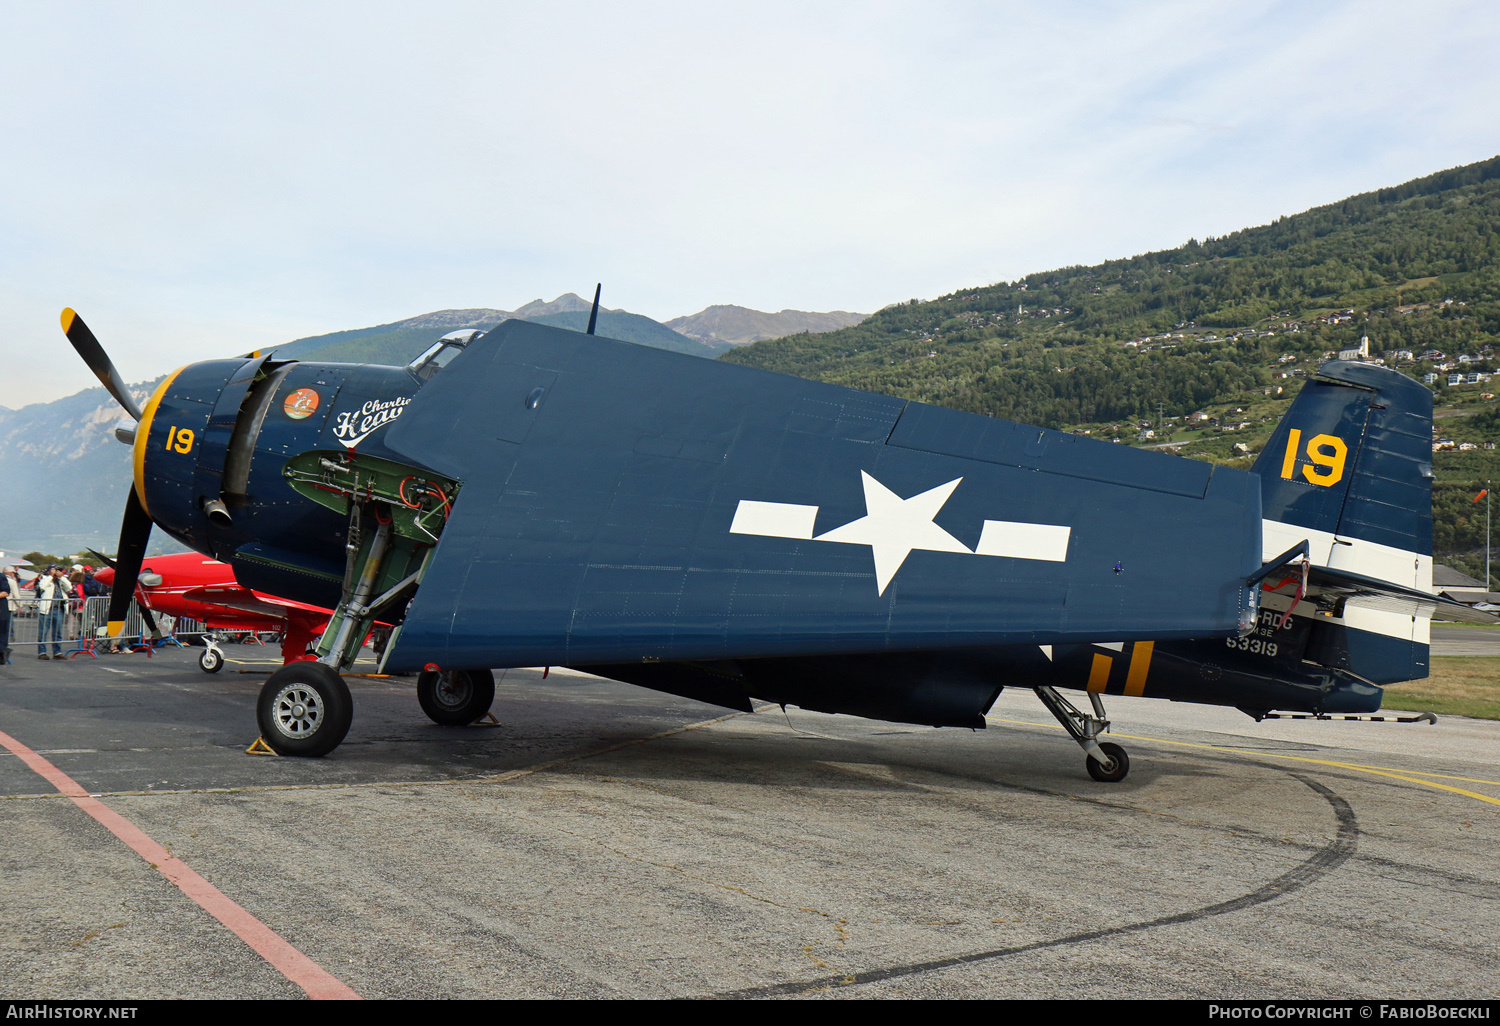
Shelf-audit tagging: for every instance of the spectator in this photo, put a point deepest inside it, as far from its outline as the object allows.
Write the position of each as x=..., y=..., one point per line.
x=52, y=593
x=7, y=599
x=91, y=586
x=75, y=579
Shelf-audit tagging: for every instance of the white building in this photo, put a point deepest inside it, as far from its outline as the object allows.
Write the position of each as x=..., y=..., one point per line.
x=1358, y=353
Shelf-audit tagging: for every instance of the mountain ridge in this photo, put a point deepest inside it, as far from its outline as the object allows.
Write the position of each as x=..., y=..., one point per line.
x=739, y=325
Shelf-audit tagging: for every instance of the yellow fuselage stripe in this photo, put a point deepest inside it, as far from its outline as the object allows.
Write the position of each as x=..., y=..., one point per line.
x=1099, y=672
x=1140, y=665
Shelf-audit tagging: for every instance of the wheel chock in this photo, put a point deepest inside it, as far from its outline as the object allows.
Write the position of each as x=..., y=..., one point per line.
x=487, y=720
x=261, y=748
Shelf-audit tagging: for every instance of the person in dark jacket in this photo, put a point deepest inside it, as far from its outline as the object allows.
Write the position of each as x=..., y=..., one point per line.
x=5, y=596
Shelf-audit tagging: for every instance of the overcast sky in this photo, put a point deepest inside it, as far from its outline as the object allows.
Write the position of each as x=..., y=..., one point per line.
x=199, y=180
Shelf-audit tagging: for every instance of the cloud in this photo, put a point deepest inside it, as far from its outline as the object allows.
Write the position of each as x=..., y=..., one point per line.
x=202, y=179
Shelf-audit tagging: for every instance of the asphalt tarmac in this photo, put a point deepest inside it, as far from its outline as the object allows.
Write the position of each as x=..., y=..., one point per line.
x=1465, y=641
x=607, y=841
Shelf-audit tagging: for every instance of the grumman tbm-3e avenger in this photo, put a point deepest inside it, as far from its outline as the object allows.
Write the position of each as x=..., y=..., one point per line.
x=536, y=496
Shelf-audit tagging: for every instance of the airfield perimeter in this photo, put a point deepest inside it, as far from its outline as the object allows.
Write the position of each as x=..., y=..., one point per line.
x=606, y=841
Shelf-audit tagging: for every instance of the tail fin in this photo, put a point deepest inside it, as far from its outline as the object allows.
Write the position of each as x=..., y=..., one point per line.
x=1349, y=468
x=1353, y=458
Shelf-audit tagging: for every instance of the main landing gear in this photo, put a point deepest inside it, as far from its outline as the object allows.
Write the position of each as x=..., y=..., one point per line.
x=456, y=698
x=305, y=707
x=1107, y=761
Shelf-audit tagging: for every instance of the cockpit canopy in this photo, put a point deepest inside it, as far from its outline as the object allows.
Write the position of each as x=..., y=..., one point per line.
x=438, y=355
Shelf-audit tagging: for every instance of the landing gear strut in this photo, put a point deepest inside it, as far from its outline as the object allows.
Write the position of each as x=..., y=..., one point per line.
x=305, y=707
x=212, y=659
x=1107, y=762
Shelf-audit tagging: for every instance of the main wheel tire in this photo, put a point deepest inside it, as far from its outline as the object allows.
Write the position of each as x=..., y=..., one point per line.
x=211, y=661
x=456, y=698
x=1119, y=764
x=304, y=709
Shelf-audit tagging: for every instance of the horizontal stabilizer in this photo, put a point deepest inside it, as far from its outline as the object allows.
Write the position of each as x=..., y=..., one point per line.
x=1370, y=593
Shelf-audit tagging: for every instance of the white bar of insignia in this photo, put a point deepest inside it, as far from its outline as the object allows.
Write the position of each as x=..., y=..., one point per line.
x=774, y=519
x=1024, y=541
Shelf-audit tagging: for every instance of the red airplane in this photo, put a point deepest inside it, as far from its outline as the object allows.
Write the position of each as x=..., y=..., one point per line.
x=187, y=584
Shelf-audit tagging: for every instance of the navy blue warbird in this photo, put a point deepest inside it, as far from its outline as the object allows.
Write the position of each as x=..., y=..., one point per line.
x=536, y=496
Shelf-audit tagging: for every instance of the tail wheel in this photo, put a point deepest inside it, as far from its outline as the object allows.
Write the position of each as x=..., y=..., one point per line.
x=456, y=698
x=304, y=709
x=1119, y=764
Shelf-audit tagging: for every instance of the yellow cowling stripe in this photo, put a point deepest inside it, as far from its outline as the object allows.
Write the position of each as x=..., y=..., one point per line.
x=143, y=434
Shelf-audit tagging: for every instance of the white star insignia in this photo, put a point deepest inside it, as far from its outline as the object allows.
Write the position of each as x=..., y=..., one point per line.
x=893, y=526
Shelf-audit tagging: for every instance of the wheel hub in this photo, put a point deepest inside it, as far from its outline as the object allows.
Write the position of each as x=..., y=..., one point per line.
x=297, y=710
x=453, y=689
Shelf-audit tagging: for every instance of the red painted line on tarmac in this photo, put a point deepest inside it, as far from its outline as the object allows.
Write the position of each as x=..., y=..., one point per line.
x=264, y=941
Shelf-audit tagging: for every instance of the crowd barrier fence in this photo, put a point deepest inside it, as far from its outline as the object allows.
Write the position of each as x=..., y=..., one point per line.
x=85, y=627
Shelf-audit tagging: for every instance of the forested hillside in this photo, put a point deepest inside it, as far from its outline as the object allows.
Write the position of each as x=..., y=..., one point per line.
x=1224, y=327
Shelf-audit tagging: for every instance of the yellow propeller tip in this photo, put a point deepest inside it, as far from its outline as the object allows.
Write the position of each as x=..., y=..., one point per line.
x=115, y=627
x=67, y=319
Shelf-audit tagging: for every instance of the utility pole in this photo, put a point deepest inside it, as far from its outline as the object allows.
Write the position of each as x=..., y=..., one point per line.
x=1485, y=495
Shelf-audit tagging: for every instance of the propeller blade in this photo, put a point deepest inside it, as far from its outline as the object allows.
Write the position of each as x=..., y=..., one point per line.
x=135, y=531
x=98, y=360
x=101, y=557
x=150, y=619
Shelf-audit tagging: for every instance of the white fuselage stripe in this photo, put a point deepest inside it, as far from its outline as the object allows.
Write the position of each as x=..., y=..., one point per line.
x=1371, y=559
x=1019, y=540
x=1382, y=562
x=774, y=519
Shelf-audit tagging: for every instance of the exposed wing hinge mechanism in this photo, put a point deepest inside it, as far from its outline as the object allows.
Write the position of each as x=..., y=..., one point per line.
x=1303, y=549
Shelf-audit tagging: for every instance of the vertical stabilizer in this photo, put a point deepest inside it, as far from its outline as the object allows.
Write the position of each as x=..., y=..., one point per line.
x=1353, y=458
x=1349, y=468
